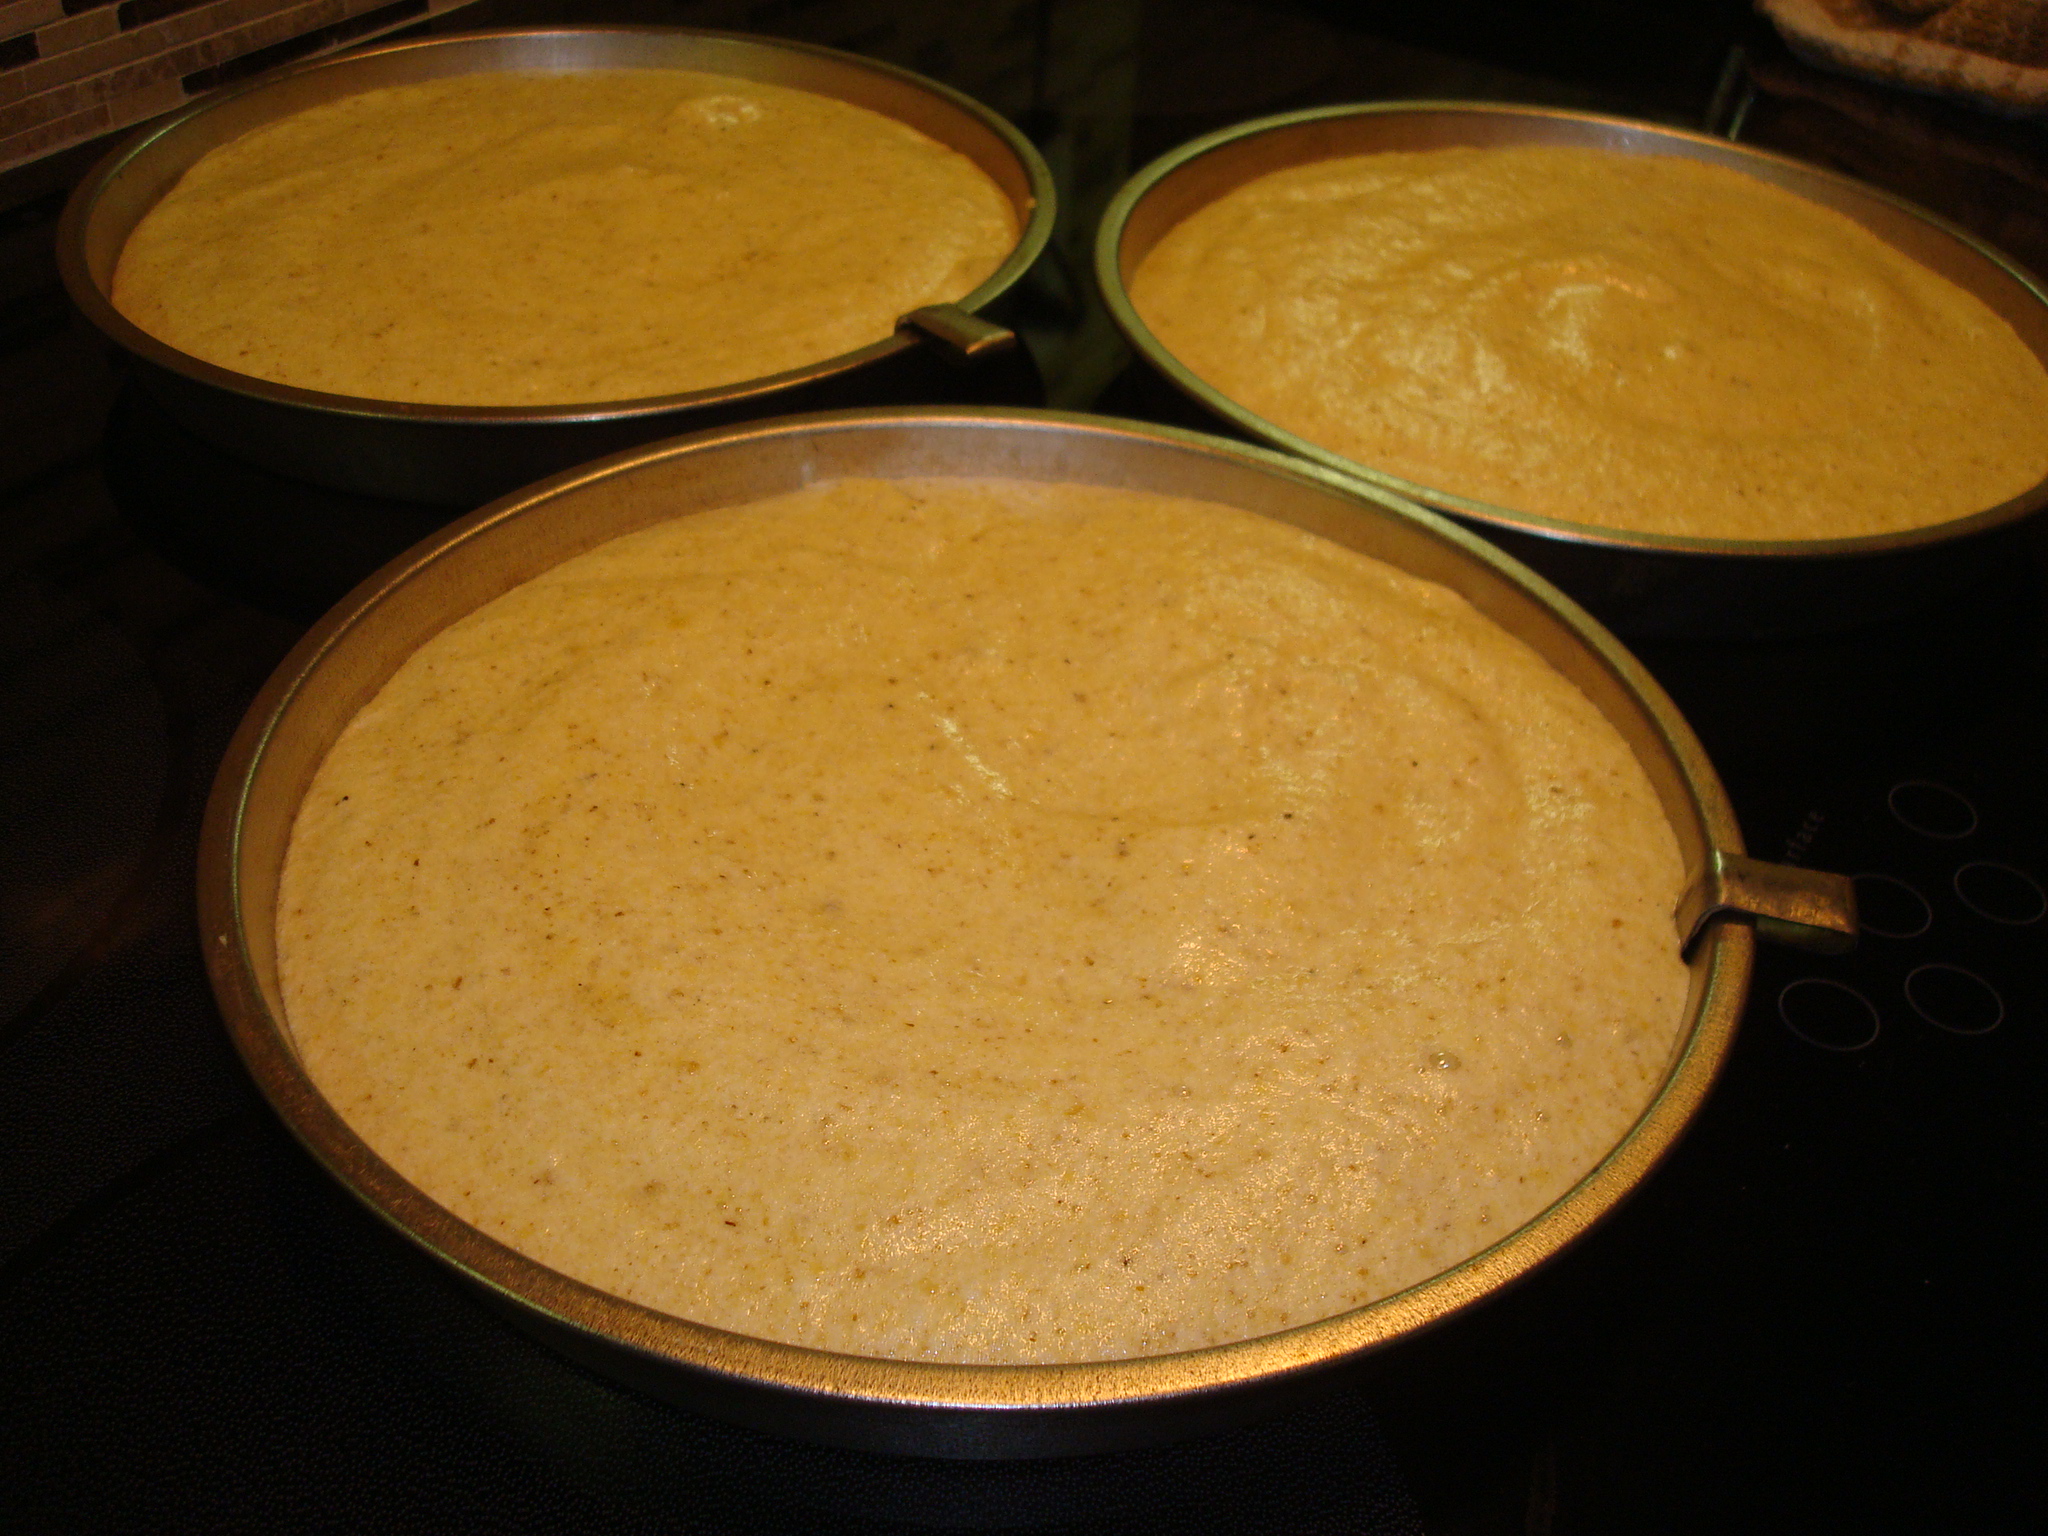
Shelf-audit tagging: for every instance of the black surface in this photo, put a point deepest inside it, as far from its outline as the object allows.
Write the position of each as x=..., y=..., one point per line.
x=1821, y=1314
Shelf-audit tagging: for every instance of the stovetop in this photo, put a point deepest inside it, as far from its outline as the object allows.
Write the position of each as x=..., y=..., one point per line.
x=1820, y=1314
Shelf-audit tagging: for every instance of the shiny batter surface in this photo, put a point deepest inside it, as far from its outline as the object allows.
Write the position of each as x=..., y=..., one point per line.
x=1639, y=342
x=536, y=239
x=979, y=921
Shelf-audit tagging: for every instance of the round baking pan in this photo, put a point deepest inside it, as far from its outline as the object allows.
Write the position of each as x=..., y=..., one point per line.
x=911, y=1406
x=462, y=455
x=1641, y=583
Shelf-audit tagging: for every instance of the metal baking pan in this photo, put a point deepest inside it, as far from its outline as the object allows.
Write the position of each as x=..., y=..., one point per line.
x=463, y=455
x=1640, y=583
x=909, y=1406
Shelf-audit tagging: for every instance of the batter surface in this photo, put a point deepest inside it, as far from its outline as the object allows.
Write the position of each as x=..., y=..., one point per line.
x=535, y=239
x=981, y=921
x=1640, y=342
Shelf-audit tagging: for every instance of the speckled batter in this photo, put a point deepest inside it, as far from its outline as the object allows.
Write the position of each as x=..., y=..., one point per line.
x=538, y=239
x=1640, y=342
x=979, y=921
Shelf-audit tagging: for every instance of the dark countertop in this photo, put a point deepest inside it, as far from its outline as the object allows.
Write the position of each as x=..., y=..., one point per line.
x=1820, y=1314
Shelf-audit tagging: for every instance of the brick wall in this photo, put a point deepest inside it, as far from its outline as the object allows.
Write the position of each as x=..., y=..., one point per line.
x=73, y=70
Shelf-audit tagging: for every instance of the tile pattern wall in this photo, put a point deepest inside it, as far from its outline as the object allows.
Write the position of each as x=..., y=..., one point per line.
x=72, y=70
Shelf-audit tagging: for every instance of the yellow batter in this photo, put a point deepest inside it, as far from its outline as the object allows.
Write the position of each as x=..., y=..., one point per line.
x=536, y=239
x=1640, y=342
x=981, y=921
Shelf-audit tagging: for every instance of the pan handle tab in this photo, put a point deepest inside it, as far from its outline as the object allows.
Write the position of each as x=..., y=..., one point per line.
x=960, y=335
x=1802, y=907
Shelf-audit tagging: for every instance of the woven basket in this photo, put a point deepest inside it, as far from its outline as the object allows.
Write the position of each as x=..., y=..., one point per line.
x=1993, y=53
